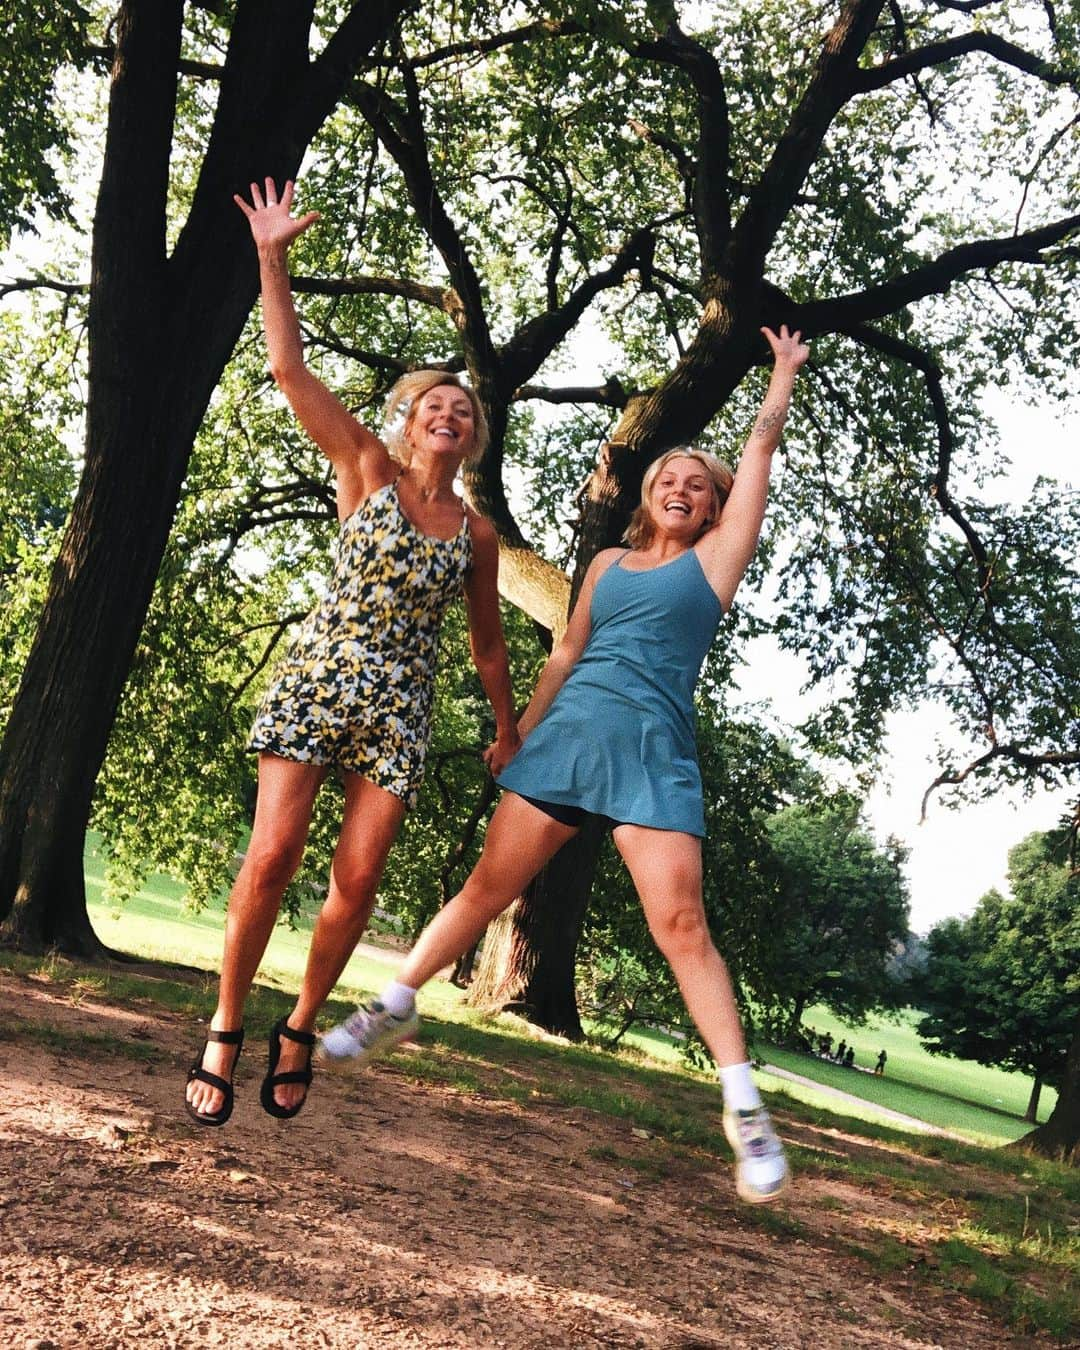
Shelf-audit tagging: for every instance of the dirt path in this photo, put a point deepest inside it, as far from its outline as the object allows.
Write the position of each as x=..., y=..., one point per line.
x=394, y=1213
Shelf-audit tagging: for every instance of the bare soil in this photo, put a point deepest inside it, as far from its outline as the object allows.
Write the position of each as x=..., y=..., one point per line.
x=400, y=1213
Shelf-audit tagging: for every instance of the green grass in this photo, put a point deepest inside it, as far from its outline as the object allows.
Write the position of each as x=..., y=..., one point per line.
x=1005, y=1224
x=980, y=1124
x=984, y=1105
x=909, y=1063
x=158, y=925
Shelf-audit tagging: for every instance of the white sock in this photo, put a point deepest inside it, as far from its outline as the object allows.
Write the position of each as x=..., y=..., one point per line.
x=398, y=999
x=740, y=1090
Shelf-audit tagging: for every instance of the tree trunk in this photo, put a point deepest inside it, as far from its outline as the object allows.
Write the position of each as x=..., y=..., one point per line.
x=1031, y=1115
x=527, y=965
x=1059, y=1137
x=160, y=332
x=795, y=1021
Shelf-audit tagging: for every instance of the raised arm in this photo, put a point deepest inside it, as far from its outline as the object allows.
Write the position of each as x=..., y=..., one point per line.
x=359, y=458
x=725, y=551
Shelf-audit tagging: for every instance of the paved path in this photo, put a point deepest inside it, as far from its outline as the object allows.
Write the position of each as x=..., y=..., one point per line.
x=838, y=1094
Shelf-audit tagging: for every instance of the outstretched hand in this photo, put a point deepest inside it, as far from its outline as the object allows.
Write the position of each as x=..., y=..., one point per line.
x=270, y=221
x=787, y=348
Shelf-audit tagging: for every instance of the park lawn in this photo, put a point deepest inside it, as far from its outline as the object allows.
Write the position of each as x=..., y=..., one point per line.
x=916, y=1084
x=994, y=1225
x=157, y=924
x=969, y=1119
x=983, y=1105
x=909, y=1063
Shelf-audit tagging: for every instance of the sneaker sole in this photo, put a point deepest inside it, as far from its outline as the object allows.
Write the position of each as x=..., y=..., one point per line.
x=750, y=1196
x=346, y=1064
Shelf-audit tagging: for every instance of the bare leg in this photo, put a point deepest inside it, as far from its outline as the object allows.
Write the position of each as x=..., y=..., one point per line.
x=368, y=829
x=282, y=816
x=666, y=870
x=520, y=840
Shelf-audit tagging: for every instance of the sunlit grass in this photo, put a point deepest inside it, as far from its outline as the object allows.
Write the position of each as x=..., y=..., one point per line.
x=910, y=1064
x=999, y=1226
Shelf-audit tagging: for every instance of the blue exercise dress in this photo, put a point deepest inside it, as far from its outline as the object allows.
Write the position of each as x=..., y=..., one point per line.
x=618, y=739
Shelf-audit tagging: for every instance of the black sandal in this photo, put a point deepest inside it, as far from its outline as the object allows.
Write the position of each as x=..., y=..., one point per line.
x=197, y=1072
x=272, y=1080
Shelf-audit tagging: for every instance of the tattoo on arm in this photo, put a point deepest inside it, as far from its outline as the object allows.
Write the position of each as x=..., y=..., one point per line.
x=769, y=421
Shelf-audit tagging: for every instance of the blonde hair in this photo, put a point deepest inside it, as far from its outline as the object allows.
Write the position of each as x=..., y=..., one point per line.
x=401, y=404
x=642, y=527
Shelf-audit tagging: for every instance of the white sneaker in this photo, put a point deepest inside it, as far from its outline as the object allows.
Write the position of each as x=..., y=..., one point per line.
x=761, y=1170
x=365, y=1034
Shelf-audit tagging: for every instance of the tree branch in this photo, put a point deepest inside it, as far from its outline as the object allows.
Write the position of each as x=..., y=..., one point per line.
x=42, y=283
x=390, y=365
x=267, y=653
x=950, y=49
x=709, y=182
x=543, y=28
x=437, y=297
x=535, y=340
x=931, y=373
x=610, y=394
x=844, y=313
x=798, y=147
x=965, y=6
x=201, y=70
x=1054, y=759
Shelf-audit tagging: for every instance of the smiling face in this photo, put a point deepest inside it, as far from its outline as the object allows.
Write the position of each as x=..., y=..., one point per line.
x=442, y=422
x=682, y=500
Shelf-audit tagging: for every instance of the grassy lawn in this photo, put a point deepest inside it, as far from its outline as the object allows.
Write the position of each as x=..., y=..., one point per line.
x=909, y=1063
x=996, y=1225
x=157, y=924
x=983, y=1105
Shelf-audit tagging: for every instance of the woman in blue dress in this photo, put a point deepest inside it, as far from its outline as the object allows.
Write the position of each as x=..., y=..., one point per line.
x=609, y=731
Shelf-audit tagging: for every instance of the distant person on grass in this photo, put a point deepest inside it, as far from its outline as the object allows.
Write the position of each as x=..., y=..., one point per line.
x=879, y=1067
x=609, y=731
x=355, y=691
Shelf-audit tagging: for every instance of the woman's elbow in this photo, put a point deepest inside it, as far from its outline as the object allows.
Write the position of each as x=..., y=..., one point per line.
x=287, y=372
x=488, y=653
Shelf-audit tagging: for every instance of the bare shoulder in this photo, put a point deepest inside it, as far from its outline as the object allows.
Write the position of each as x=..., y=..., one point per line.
x=480, y=527
x=604, y=559
x=485, y=540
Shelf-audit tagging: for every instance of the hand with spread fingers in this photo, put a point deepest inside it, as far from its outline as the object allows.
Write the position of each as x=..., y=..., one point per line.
x=272, y=225
x=787, y=348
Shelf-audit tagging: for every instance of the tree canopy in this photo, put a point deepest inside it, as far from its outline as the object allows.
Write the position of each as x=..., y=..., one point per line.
x=843, y=908
x=1003, y=986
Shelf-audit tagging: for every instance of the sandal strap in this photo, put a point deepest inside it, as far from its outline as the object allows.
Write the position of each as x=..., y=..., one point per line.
x=205, y=1076
x=226, y=1037
x=292, y=1076
x=290, y=1034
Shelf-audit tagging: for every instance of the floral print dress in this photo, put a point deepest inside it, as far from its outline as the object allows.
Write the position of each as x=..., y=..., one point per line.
x=356, y=687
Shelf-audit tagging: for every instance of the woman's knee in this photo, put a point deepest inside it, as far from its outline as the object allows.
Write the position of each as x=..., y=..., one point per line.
x=270, y=864
x=681, y=930
x=485, y=892
x=357, y=879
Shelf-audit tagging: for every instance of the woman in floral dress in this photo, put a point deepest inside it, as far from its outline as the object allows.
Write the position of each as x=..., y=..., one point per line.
x=355, y=691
